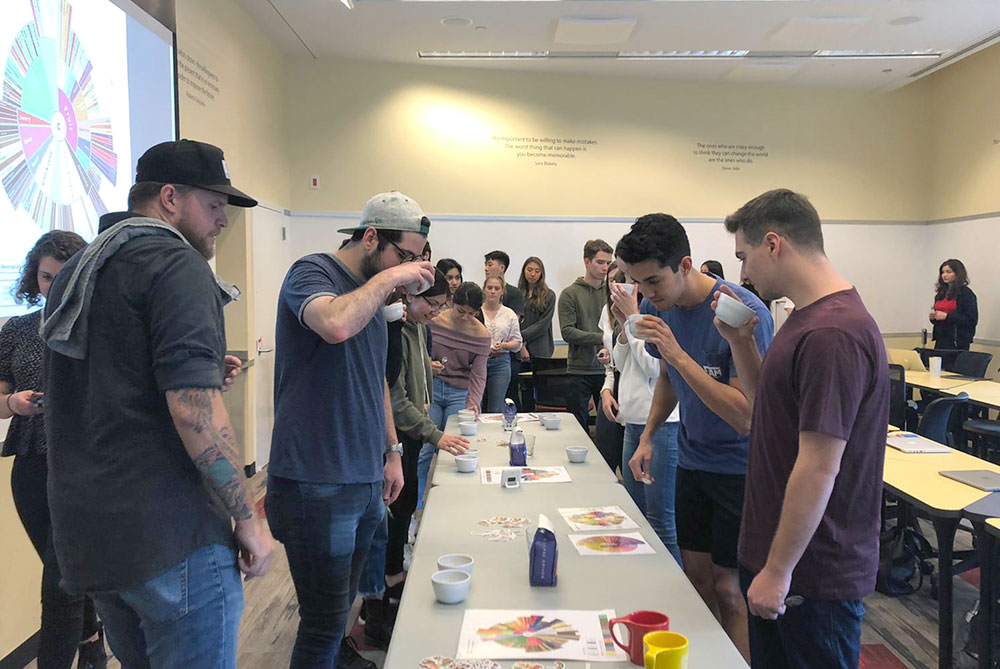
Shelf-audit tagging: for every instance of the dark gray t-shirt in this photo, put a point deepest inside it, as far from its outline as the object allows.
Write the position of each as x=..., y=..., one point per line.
x=329, y=399
x=126, y=500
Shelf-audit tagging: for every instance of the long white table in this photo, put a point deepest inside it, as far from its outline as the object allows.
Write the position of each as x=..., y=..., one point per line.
x=500, y=578
x=550, y=451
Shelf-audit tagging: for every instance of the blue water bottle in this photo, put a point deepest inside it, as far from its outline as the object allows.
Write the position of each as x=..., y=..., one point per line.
x=518, y=451
x=509, y=415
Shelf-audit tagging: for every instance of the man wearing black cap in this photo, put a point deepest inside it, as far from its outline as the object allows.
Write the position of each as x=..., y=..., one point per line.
x=335, y=459
x=143, y=462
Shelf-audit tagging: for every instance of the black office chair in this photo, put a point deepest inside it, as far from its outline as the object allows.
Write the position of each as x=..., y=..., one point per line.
x=947, y=355
x=970, y=363
x=550, y=381
x=935, y=422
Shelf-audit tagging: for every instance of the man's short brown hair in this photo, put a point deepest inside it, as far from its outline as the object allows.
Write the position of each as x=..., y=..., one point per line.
x=595, y=246
x=785, y=212
x=145, y=192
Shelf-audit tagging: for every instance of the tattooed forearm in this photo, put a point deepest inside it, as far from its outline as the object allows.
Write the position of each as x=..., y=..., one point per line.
x=203, y=425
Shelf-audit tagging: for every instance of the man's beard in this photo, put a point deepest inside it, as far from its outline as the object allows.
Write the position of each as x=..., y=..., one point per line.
x=370, y=266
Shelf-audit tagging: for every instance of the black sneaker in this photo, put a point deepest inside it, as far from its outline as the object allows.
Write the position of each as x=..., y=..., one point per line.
x=377, y=632
x=349, y=658
x=92, y=654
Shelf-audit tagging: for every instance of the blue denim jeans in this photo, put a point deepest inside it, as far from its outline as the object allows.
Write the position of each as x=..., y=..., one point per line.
x=448, y=401
x=327, y=530
x=656, y=501
x=372, y=584
x=188, y=616
x=497, y=380
x=816, y=633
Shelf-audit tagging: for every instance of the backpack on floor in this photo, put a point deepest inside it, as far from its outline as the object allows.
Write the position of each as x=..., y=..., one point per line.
x=903, y=556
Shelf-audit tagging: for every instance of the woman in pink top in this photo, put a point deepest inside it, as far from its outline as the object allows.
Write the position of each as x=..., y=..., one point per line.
x=460, y=348
x=505, y=331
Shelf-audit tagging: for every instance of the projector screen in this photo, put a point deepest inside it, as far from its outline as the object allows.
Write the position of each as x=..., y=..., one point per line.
x=88, y=86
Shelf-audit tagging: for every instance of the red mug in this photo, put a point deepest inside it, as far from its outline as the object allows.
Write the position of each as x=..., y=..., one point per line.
x=639, y=623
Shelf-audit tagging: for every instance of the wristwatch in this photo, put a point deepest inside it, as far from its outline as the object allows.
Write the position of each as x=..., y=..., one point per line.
x=395, y=448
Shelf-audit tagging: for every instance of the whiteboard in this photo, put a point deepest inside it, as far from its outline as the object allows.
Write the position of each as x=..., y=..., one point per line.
x=890, y=264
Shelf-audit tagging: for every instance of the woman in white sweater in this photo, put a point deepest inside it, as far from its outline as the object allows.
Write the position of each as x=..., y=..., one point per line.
x=638, y=373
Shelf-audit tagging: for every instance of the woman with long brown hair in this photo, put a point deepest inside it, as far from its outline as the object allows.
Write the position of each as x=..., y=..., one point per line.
x=956, y=310
x=539, y=307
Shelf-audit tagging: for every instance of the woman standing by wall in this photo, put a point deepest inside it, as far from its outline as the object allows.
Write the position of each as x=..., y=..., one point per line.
x=69, y=622
x=956, y=310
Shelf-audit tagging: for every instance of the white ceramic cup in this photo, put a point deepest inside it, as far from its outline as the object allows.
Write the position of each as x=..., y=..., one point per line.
x=466, y=416
x=732, y=312
x=632, y=320
x=551, y=422
x=468, y=428
x=417, y=287
x=393, y=312
x=465, y=463
x=451, y=586
x=457, y=561
x=935, y=365
x=577, y=454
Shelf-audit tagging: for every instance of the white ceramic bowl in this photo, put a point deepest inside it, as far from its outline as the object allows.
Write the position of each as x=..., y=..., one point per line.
x=466, y=416
x=732, y=312
x=551, y=422
x=456, y=561
x=451, y=586
x=393, y=312
x=577, y=454
x=468, y=428
x=466, y=464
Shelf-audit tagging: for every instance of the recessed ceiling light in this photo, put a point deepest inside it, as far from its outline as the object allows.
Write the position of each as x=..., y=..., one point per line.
x=887, y=70
x=905, y=20
x=456, y=21
x=480, y=27
x=347, y=3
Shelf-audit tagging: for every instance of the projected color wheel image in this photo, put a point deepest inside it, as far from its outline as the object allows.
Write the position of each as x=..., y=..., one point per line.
x=56, y=145
x=532, y=634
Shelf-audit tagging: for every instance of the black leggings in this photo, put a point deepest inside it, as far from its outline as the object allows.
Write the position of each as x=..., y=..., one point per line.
x=67, y=619
x=402, y=509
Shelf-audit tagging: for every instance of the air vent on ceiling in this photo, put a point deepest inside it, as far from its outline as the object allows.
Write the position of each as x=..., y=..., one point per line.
x=593, y=31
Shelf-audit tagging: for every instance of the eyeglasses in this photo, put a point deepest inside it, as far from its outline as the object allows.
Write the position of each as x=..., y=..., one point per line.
x=434, y=306
x=404, y=255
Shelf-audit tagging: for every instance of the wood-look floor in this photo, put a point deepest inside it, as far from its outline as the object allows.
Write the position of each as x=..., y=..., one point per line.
x=907, y=626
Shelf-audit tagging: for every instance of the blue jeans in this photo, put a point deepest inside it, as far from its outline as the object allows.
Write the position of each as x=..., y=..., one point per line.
x=372, y=584
x=188, y=616
x=327, y=529
x=656, y=501
x=448, y=401
x=816, y=633
x=497, y=380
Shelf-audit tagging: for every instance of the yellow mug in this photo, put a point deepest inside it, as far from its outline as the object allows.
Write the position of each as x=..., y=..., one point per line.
x=665, y=650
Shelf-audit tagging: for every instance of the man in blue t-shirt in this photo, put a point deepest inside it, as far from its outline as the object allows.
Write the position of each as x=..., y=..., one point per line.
x=698, y=373
x=335, y=460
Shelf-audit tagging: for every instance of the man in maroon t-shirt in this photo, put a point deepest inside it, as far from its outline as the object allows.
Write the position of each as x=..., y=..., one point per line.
x=817, y=442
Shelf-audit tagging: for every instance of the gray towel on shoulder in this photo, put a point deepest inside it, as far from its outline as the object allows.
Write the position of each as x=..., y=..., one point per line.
x=65, y=330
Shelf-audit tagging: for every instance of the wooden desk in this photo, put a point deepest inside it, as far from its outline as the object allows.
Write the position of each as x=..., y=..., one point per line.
x=914, y=478
x=983, y=393
x=928, y=381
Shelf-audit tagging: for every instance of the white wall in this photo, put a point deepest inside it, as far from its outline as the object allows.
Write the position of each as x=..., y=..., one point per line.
x=889, y=263
x=974, y=242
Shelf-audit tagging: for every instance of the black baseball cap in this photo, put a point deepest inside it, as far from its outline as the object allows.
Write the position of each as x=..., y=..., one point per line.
x=190, y=163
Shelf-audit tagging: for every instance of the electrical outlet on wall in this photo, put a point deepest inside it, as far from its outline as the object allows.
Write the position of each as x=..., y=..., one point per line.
x=314, y=183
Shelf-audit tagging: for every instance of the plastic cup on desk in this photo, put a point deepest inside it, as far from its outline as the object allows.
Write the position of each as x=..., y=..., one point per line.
x=935, y=366
x=529, y=445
